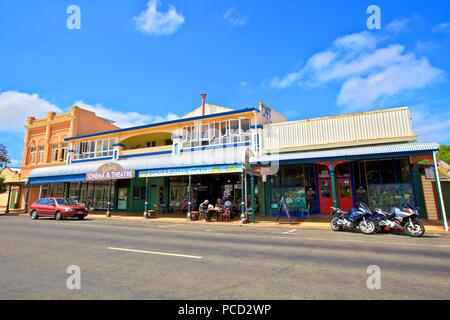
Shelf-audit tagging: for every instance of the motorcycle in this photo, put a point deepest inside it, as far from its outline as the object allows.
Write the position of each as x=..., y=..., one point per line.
x=405, y=219
x=358, y=217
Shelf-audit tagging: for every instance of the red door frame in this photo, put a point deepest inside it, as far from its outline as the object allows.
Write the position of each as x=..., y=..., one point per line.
x=345, y=203
x=325, y=203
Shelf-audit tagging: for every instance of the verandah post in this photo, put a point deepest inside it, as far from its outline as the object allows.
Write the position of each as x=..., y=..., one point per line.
x=333, y=185
x=146, y=198
x=108, y=213
x=439, y=194
x=9, y=198
x=26, y=198
x=252, y=187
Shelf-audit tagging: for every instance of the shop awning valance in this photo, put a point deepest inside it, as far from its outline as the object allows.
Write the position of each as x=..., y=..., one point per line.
x=206, y=158
x=369, y=151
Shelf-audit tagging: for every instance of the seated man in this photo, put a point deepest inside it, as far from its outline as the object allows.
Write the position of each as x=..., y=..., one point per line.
x=203, y=208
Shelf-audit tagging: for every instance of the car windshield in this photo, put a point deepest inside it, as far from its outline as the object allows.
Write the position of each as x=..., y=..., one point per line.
x=66, y=202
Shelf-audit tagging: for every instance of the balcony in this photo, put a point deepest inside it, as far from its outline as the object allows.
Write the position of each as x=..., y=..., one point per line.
x=145, y=151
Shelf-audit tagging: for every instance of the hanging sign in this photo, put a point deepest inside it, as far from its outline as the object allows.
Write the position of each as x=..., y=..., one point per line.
x=110, y=171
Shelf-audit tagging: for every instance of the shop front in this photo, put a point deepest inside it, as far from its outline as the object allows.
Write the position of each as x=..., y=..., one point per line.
x=372, y=175
x=189, y=186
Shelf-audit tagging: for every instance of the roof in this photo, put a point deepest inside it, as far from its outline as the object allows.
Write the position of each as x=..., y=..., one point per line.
x=157, y=124
x=209, y=109
x=400, y=148
x=185, y=160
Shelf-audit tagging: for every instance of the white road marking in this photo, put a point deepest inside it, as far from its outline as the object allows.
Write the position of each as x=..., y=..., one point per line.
x=157, y=253
x=290, y=231
x=170, y=225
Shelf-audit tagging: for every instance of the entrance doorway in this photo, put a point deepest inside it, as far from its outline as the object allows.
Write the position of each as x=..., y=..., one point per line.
x=325, y=195
x=344, y=186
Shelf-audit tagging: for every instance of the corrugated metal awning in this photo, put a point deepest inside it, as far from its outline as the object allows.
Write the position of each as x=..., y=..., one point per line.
x=401, y=148
x=212, y=157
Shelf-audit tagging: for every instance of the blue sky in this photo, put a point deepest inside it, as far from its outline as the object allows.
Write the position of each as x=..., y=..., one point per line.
x=141, y=61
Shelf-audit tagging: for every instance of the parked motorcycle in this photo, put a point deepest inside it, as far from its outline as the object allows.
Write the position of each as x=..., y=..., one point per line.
x=406, y=219
x=358, y=217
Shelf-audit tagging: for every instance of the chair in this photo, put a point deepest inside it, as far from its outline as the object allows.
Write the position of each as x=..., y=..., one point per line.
x=226, y=215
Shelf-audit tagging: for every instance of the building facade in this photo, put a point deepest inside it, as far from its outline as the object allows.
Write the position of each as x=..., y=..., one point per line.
x=45, y=145
x=252, y=156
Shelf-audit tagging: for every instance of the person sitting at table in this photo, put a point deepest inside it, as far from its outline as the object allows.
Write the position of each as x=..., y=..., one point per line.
x=219, y=204
x=203, y=208
x=228, y=204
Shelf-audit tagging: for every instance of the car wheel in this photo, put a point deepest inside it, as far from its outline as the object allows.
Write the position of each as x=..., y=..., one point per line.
x=81, y=217
x=58, y=216
x=34, y=215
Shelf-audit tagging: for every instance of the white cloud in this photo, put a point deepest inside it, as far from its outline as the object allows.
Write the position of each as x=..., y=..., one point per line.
x=157, y=23
x=398, y=25
x=443, y=27
x=366, y=71
x=432, y=126
x=234, y=18
x=125, y=119
x=15, y=107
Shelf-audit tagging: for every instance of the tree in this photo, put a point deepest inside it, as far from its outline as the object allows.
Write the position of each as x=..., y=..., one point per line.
x=444, y=153
x=2, y=185
x=4, y=156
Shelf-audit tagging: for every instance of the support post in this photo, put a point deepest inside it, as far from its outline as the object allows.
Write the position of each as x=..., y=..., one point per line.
x=189, y=214
x=439, y=194
x=252, y=187
x=93, y=195
x=9, y=199
x=108, y=212
x=80, y=184
x=146, y=198
x=333, y=185
x=243, y=213
x=26, y=198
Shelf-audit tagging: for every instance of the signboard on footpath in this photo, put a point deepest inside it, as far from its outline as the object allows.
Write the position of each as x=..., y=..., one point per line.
x=110, y=171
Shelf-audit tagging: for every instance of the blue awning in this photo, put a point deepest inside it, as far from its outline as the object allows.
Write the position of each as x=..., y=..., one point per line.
x=56, y=179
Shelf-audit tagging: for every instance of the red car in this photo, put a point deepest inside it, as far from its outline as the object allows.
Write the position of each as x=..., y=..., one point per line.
x=58, y=208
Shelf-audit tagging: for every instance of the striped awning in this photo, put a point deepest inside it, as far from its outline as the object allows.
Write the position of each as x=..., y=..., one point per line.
x=385, y=149
x=206, y=158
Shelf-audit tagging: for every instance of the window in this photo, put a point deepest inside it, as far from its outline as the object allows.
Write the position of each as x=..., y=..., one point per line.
x=245, y=126
x=32, y=155
x=55, y=151
x=138, y=193
x=234, y=127
x=63, y=152
x=41, y=154
x=92, y=149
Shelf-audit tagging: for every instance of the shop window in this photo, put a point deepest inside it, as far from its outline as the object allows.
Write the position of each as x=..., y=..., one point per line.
x=343, y=170
x=324, y=172
x=403, y=171
x=292, y=176
x=138, y=192
x=372, y=172
x=387, y=171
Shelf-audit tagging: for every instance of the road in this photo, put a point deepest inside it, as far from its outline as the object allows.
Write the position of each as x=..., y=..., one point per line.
x=154, y=260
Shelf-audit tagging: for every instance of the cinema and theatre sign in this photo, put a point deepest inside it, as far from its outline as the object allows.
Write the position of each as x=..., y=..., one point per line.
x=110, y=171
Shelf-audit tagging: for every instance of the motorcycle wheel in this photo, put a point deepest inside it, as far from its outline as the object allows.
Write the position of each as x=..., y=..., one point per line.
x=334, y=225
x=367, y=227
x=414, y=229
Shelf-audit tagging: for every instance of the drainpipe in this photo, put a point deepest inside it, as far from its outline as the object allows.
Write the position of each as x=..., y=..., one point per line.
x=189, y=214
x=439, y=194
